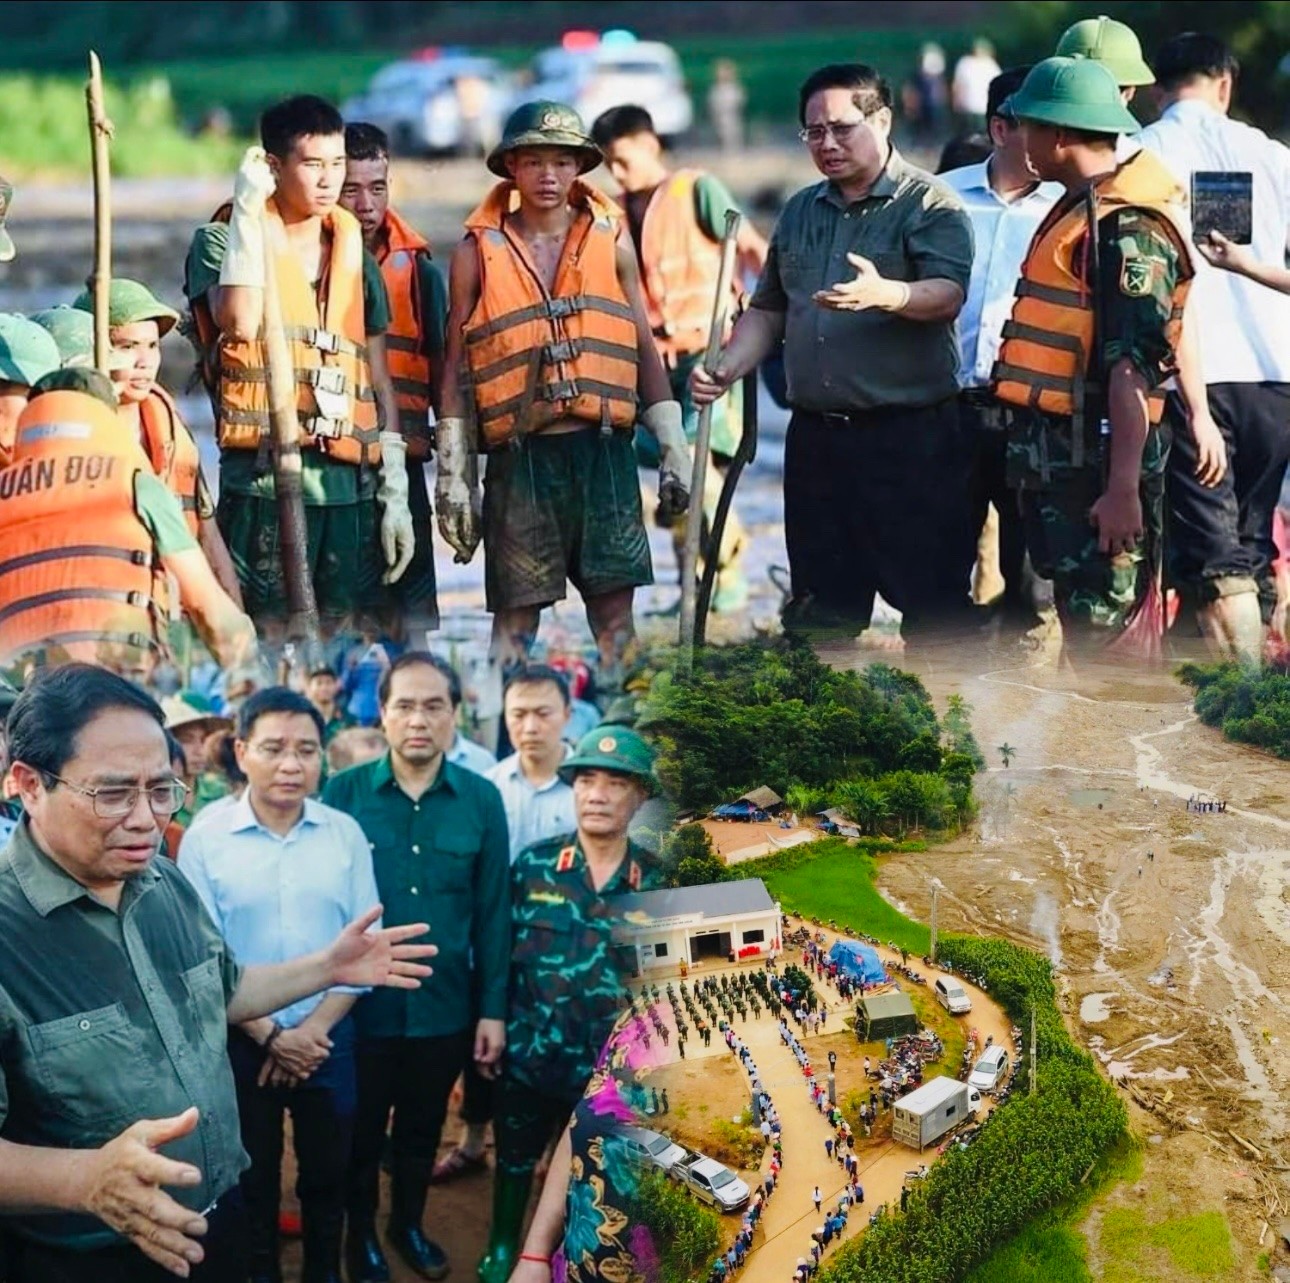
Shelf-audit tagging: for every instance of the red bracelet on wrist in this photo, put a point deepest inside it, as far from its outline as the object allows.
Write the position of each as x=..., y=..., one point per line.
x=533, y=1256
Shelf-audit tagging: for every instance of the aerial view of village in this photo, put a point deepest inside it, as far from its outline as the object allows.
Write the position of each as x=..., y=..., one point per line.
x=644, y=642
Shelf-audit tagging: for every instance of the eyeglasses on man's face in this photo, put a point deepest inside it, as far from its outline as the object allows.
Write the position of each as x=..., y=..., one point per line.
x=113, y=801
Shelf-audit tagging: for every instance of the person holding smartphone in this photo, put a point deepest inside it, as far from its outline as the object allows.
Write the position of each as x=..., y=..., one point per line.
x=1222, y=548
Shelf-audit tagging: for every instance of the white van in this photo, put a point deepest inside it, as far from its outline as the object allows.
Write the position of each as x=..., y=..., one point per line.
x=990, y=1070
x=952, y=996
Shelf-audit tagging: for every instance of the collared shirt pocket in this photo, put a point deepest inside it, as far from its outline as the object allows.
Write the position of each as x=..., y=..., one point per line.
x=89, y=1068
x=205, y=986
x=452, y=866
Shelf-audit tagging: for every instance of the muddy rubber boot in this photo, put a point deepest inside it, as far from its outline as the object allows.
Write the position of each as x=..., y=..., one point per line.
x=510, y=1200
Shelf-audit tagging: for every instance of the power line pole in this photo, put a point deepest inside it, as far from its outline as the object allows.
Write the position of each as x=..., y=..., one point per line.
x=1034, y=1054
x=933, y=955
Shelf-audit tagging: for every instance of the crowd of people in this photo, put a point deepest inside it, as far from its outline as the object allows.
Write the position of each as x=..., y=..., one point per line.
x=1037, y=332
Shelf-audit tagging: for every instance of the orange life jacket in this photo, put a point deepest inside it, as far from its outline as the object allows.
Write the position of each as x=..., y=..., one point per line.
x=412, y=372
x=536, y=356
x=328, y=353
x=679, y=267
x=77, y=565
x=1044, y=360
x=172, y=451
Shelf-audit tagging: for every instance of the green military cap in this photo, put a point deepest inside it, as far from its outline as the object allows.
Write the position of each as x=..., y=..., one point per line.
x=1112, y=44
x=27, y=352
x=130, y=302
x=545, y=124
x=1075, y=92
x=72, y=330
x=612, y=748
x=7, y=250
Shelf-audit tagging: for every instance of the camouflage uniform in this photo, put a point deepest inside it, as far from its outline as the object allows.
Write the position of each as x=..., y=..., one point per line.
x=565, y=990
x=1097, y=594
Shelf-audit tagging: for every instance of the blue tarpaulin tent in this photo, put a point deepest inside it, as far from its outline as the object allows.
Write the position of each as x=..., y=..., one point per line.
x=858, y=961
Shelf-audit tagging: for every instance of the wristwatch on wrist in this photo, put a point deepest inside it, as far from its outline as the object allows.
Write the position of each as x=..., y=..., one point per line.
x=273, y=1033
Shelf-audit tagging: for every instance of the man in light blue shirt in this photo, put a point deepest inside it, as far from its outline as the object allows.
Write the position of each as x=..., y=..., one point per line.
x=539, y=805
x=1006, y=205
x=280, y=875
x=470, y=755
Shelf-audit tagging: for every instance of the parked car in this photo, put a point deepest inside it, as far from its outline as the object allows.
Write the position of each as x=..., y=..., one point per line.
x=990, y=1070
x=711, y=1182
x=593, y=73
x=438, y=101
x=653, y=1147
x=952, y=996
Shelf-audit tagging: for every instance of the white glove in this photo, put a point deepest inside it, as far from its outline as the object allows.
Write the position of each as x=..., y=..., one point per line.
x=676, y=466
x=244, y=259
x=455, y=492
x=398, y=537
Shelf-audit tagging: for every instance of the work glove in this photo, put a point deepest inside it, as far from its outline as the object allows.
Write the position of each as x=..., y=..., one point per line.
x=455, y=491
x=244, y=259
x=398, y=537
x=676, y=467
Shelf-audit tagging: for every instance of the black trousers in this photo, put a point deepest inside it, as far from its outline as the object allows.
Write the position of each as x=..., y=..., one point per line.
x=986, y=442
x=877, y=502
x=1222, y=535
x=476, y=1096
x=413, y=1077
x=225, y=1244
x=322, y=1121
x=527, y=1120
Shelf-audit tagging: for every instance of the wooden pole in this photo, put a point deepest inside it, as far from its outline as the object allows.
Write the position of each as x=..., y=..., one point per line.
x=699, y=475
x=293, y=538
x=101, y=278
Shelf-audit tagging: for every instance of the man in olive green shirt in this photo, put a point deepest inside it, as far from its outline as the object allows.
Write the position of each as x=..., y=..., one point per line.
x=439, y=850
x=116, y=993
x=866, y=273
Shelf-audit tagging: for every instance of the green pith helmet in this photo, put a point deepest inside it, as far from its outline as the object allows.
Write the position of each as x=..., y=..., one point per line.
x=130, y=302
x=612, y=748
x=1075, y=92
x=72, y=330
x=1112, y=44
x=545, y=124
x=27, y=352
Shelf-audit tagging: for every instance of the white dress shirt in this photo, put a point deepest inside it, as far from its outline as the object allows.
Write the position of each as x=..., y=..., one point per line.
x=533, y=814
x=1244, y=327
x=474, y=757
x=274, y=898
x=1001, y=233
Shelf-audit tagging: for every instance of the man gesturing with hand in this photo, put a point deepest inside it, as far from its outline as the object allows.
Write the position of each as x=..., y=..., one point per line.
x=119, y=1146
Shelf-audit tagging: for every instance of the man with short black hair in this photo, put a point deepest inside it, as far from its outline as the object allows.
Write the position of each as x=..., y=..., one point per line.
x=438, y=838
x=335, y=314
x=322, y=686
x=414, y=343
x=1221, y=545
x=677, y=219
x=116, y=992
x=277, y=872
x=874, y=496
x=1006, y=203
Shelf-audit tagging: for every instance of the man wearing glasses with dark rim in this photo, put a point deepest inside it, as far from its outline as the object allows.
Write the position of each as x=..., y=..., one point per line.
x=866, y=273
x=116, y=992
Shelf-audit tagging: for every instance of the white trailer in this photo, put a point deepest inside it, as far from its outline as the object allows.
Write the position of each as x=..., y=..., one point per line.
x=925, y=1115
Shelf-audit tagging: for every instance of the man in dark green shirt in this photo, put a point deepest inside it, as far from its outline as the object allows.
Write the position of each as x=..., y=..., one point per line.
x=116, y=993
x=566, y=981
x=866, y=273
x=439, y=850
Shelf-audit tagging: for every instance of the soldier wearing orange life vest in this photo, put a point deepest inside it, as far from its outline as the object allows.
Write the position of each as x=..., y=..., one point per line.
x=677, y=220
x=1095, y=331
x=89, y=533
x=138, y=322
x=335, y=315
x=418, y=297
x=549, y=351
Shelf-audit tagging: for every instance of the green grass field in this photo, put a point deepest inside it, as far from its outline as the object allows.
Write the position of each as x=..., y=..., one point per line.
x=837, y=881
x=155, y=105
